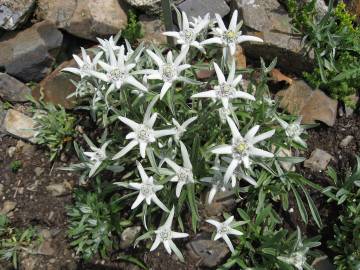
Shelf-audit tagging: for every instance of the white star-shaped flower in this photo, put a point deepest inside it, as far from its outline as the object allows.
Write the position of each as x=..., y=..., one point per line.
x=226, y=89
x=230, y=36
x=297, y=259
x=143, y=134
x=169, y=70
x=293, y=130
x=108, y=46
x=147, y=190
x=224, y=229
x=181, y=129
x=85, y=64
x=189, y=32
x=118, y=72
x=164, y=235
x=97, y=156
x=182, y=175
x=242, y=148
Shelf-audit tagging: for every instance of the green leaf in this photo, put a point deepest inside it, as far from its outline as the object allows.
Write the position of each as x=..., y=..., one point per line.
x=314, y=211
x=300, y=205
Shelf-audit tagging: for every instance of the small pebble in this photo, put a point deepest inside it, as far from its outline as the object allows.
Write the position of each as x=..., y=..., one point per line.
x=39, y=171
x=346, y=141
x=11, y=151
x=8, y=207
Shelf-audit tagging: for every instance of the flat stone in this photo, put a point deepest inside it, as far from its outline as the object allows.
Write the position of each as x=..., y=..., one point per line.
x=204, y=74
x=313, y=105
x=11, y=151
x=46, y=248
x=87, y=19
x=8, y=206
x=14, y=12
x=128, y=236
x=39, y=171
x=1, y=189
x=224, y=201
x=57, y=86
x=19, y=125
x=318, y=161
x=346, y=141
x=29, y=55
x=56, y=189
x=195, y=8
x=13, y=90
x=153, y=29
x=209, y=253
x=269, y=20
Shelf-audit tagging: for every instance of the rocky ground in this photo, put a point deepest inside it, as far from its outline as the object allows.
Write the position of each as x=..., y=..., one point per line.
x=37, y=39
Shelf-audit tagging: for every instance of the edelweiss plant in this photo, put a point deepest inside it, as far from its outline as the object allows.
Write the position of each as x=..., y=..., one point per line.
x=126, y=90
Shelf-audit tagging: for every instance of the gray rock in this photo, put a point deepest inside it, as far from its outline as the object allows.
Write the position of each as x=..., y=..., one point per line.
x=26, y=55
x=149, y=7
x=153, y=29
x=128, y=236
x=19, y=125
x=14, y=12
x=209, y=253
x=318, y=161
x=195, y=8
x=84, y=18
x=269, y=20
x=57, y=189
x=346, y=141
x=8, y=206
x=13, y=90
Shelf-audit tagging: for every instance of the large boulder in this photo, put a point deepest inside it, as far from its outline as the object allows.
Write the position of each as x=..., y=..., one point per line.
x=12, y=90
x=84, y=18
x=14, y=12
x=269, y=20
x=149, y=7
x=56, y=87
x=29, y=55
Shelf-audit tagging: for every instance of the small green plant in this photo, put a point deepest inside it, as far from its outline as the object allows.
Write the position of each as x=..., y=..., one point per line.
x=55, y=128
x=15, y=241
x=15, y=166
x=94, y=223
x=133, y=30
x=346, y=241
x=334, y=40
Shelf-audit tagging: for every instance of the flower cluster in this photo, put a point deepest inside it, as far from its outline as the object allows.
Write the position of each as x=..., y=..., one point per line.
x=131, y=89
